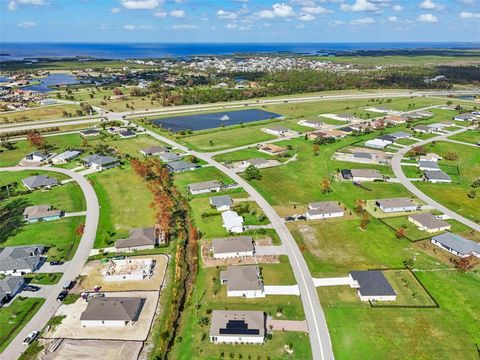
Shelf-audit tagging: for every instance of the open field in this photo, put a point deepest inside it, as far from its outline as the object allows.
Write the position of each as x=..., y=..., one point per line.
x=15, y=316
x=39, y=113
x=472, y=137
x=402, y=60
x=408, y=289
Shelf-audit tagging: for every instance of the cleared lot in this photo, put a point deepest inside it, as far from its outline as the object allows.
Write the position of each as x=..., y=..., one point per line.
x=103, y=349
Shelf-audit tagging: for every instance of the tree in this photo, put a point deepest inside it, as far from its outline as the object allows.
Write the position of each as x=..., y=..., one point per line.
x=325, y=186
x=36, y=140
x=365, y=220
x=400, y=234
x=252, y=173
x=359, y=204
x=316, y=149
x=452, y=156
x=465, y=264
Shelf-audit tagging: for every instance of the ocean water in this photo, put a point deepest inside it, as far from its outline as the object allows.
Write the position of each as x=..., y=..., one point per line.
x=15, y=51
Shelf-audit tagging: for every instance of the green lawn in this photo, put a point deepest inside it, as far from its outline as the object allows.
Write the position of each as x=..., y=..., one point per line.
x=472, y=137
x=208, y=173
x=15, y=316
x=59, y=235
x=39, y=113
x=124, y=204
x=278, y=274
x=44, y=278
x=409, y=290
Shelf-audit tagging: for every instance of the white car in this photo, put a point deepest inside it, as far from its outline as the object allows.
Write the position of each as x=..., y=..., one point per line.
x=32, y=336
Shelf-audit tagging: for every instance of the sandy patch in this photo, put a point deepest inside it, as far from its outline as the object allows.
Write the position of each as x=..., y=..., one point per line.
x=100, y=349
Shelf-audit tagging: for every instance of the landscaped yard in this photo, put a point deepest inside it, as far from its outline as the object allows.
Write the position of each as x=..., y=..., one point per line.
x=44, y=278
x=15, y=316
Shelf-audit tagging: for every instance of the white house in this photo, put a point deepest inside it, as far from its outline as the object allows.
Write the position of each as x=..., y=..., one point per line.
x=100, y=162
x=39, y=156
x=20, y=260
x=429, y=222
x=311, y=123
x=276, y=130
x=243, y=281
x=237, y=327
x=437, y=177
x=112, y=311
x=396, y=205
x=232, y=247
x=457, y=245
x=377, y=143
x=204, y=187
x=465, y=117
x=9, y=287
x=222, y=203
x=324, y=210
x=431, y=157
x=372, y=285
x=366, y=175
x=65, y=156
x=232, y=221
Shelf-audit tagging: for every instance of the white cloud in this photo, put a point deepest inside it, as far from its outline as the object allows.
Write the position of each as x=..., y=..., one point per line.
x=14, y=4
x=315, y=10
x=160, y=14
x=115, y=10
x=231, y=26
x=360, y=5
x=228, y=15
x=129, y=27
x=178, y=13
x=337, y=22
x=140, y=4
x=281, y=10
x=397, y=7
x=27, y=24
x=245, y=27
x=392, y=19
x=306, y=17
x=469, y=15
x=362, y=21
x=184, y=27
x=430, y=5
x=428, y=18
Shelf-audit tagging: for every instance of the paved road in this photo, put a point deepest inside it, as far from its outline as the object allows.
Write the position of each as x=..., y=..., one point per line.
x=74, y=268
x=397, y=170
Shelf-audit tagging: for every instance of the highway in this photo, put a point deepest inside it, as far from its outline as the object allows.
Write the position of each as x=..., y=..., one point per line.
x=397, y=170
x=75, y=265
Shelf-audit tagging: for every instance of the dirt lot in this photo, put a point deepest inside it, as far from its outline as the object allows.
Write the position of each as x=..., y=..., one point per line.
x=100, y=349
x=71, y=327
x=94, y=277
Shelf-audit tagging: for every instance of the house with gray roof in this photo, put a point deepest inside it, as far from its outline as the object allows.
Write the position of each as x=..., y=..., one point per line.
x=204, y=187
x=222, y=203
x=429, y=222
x=243, y=281
x=65, y=156
x=422, y=129
x=141, y=239
x=112, y=311
x=89, y=132
x=231, y=247
x=127, y=134
x=457, y=245
x=154, y=150
x=20, y=260
x=169, y=157
x=9, y=287
x=366, y=175
x=372, y=285
x=362, y=156
x=425, y=165
x=396, y=205
x=100, y=162
x=324, y=210
x=39, y=156
x=465, y=117
x=437, y=176
x=400, y=135
x=181, y=166
x=39, y=181
x=237, y=327
x=277, y=130
x=41, y=213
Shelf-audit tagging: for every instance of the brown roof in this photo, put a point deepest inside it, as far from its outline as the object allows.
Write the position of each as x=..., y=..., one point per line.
x=232, y=244
x=429, y=220
x=139, y=237
x=113, y=309
x=40, y=211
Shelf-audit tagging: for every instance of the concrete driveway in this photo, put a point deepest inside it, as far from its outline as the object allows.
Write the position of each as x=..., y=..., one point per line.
x=47, y=268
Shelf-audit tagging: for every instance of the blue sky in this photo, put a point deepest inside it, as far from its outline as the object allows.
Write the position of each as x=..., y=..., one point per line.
x=239, y=20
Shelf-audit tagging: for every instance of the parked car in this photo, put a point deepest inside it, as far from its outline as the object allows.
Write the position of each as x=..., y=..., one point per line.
x=56, y=263
x=32, y=336
x=31, y=288
x=62, y=295
x=289, y=218
x=68, y=285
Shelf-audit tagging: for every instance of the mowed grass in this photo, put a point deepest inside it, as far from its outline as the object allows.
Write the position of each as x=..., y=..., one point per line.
x=59, y=235
x=124, y=204
x=39, y=113
x=449, y=332
x=15, y=316
x=471, y=136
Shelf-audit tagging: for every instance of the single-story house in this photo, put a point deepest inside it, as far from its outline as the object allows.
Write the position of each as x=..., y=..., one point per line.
x=9, y=287
x=20, y=260
x=382, y=110
x=430, y=157
x=396, y=119
x=377, y=143
x=222, y=203
x=337, y=134
x=127, y=134
x=112, y=311
x=346, y=117
x=243, y=281
x=89, y=132
x=428, y=165
x=140, y=239
x=457, y=245
x=387, y=138
x=422, y=129
x=154, y=150
x=65, y=156
x=437, y=126
x=324, y=210
x=39, y=156
x=311, y=123
x=231, y=247
x=47, y=102
x=366, y=175
x=237, y=327
x=372, y=286
x=100, y=162
x=396, y=205
x=115, y=130
x=259, y=163
x=41, y=213
x=401, y=135
x=181, y=166
x=232, y=221
x=204, y=187
x=347, y=129
x=169, y=157
x=437, y=177
x=272, y=149
x=277, y=130
x=465, y=117
x=429, y=222
x=39, y=181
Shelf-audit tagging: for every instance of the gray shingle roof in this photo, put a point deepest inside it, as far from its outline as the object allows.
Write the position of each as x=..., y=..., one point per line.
x=153, y=150
x=67, y=155
x=372, y=283
x=242, y=278
x=39, y=212
x=36, y=181
x=437, y=175
x=168, y=156
x=205, y=185
x=223, y=200
x=429, y=220
x=113, y=309
x=232, y=244
x=180, y=165
x=100, y=160
x=20, y=257
x=457, y=243
x=325, y=207
x=254, y=321
x=139, y=237
x=428, y=164
x=395, y=202
x=9, y=284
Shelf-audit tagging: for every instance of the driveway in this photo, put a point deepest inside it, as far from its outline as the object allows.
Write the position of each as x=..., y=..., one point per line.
x=47, y=268
x=281, y=290
x=287, y=325
x=270, y=250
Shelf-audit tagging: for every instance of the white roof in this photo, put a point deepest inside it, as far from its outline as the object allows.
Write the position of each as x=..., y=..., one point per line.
x=231, y=219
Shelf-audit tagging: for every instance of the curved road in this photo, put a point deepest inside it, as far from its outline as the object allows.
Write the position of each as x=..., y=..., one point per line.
x=397, y=170
x=75, y=266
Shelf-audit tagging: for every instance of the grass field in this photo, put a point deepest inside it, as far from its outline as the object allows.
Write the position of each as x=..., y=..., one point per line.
x=124, y=204
x=472, y=137
x=182, y=180
x=15, y=316
x=408, y=289
x=39, y=113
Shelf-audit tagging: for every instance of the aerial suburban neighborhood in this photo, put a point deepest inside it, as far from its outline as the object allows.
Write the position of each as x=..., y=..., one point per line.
x=261, y=204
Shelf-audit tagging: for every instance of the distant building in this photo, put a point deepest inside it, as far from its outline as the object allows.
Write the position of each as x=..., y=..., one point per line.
x=422, y=129
x=20, y=260
x=243, y=281
x=204, y=187
x=465, y=117
x=232, y=221
x=372, y=286
x=237, y=327
x=396, y=205
x=377, y=143
x=259, y=163
x=430, y=157
x=169, y=157
x=100, y=162
x=277, y=130
x=140, y=239
x=324, y=210
x=311, y=123
x=39, y=156
x=232, y=247
x=90, y=132
x=41, y=213
x=366, y=175
x=272, y=149
x=429, y=222
x=39, y=181
x=112, y=311
x=154, y=150
x=181, y=166
x=425, y=165
x=457, y=245
x=222, y=203
x=127, y=134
